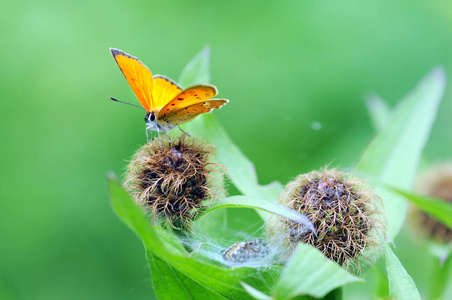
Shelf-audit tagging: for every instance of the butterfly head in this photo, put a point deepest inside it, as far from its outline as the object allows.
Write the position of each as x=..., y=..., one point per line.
x=150, y=117
x=151, y=120
x=155, y=124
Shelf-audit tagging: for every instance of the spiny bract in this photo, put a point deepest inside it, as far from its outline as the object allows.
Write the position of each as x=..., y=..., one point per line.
x=343, y=210
x=172, y=181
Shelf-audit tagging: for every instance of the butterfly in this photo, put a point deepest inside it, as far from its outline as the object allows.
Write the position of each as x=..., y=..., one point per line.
x=166, y=103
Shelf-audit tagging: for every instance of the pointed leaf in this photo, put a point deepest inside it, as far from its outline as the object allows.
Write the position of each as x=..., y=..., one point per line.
x=172, y=284
x=308, y=272
x=441, y=279
x=437, y=208
x=240, y=170
x=379, y=111
x=259, y=203
x=256, y=294
x=398, y=147
x=401, y=286
x=197, y=70
x=225, y=282
x=393, y=155
x=132, y=216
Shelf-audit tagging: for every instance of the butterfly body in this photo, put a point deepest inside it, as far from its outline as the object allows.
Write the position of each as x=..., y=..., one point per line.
x=166, y=103
x=152, y=124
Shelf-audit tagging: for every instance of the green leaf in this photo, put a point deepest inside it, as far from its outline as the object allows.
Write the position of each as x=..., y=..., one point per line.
x=401, y=286
x=172, y=284
x=167, y=248
x=259, y=203
x=173, y=243
x=400, y=144
x=133, y=216
x=380, y=115
x=308, y=272
x=379, y=111
x=381, y=276
x=336, y=294
x=393, y=155
x=240, y=170
x=197, y=70
x=214, y=225
x=442, y=276
x=439, y=209
x=255, y=293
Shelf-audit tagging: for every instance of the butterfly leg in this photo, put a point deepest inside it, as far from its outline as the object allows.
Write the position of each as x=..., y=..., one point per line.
x=160, y=139
x=167, y=136
x=183, y=131
x=147, y=136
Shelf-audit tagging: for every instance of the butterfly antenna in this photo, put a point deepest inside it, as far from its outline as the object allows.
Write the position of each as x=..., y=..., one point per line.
x=127, y=103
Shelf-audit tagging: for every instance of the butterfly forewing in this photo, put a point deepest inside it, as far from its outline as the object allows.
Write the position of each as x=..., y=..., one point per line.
x=188, y=113
x=164, y=90
x=138, y=76
x=193, y=95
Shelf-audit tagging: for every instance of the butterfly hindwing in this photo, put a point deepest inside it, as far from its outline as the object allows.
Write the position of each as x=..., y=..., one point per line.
x=193, y=95
x=188, y=113
x=138, y=76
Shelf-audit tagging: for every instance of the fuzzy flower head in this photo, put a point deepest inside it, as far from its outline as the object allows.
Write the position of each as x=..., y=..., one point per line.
x=172, y=181
x=435, y=182
x=344, y=212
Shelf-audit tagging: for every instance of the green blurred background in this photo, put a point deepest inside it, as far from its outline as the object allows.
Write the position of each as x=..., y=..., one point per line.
x=284, y=65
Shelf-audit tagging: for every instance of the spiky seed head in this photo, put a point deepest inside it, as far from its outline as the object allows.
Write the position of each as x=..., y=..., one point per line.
x=346, y=214
x=435, y=182
x=174, y=182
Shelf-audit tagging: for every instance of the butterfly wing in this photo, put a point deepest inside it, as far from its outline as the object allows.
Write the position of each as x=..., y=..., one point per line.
x=188, y=113
x=138, y=76
x=193, y=95
x=164, y=91
x=152, y=92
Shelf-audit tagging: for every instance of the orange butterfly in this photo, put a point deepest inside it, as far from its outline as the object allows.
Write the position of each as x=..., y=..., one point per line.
x=167, y=105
